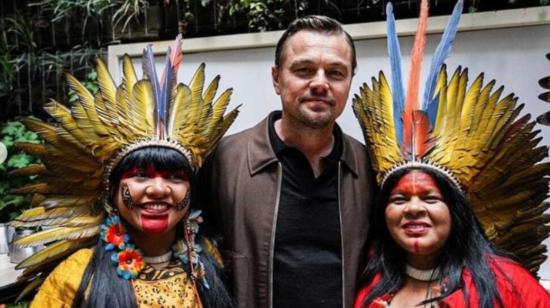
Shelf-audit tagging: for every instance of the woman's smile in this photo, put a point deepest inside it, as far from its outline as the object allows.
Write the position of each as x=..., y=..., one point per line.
x=416, y=228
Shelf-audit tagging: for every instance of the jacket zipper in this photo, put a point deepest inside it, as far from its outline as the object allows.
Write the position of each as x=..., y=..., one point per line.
x=341, y=236
x=273, y=230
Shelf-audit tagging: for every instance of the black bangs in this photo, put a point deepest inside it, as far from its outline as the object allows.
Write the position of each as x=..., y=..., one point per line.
x=162, y=158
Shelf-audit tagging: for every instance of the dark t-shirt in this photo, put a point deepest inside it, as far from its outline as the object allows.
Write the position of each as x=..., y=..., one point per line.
x=307, y=258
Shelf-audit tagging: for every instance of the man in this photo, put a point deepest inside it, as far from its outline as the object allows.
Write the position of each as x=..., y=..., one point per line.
x=294, y=192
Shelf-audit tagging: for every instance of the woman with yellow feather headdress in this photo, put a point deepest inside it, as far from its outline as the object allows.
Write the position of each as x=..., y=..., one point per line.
x=117, y=177
x=460, y=177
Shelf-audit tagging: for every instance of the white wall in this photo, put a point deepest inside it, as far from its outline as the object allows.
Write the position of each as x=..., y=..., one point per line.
x=514, y=57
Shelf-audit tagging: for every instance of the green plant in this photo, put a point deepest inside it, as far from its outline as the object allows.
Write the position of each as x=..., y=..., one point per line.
x=262, y=15
x=18, y=305
x=124, y=10
x=7, y=68
x=10, y=133
x=64, y=8
x=128, y=10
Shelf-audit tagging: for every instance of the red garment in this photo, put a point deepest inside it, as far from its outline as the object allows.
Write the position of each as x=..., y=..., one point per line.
x=525, y=290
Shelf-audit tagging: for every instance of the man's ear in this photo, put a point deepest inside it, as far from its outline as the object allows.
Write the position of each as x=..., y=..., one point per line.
x=275, y=78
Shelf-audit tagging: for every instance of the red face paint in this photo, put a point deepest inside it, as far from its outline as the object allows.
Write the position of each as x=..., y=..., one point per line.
x=154, y=224
x=152, y=220
x=416, y=183
x=152, y=172
x=416, y=215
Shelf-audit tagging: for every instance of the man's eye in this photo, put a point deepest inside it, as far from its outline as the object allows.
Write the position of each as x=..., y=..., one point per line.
x=303, y=71
x=337, y=74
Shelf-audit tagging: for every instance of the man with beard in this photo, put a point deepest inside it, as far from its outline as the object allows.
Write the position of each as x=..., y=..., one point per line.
x=293, y=193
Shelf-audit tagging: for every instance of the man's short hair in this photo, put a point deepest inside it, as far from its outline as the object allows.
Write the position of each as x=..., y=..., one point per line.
x=314, y=23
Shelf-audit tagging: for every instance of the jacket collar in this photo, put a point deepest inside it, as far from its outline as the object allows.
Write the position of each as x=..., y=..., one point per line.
x=261, y=154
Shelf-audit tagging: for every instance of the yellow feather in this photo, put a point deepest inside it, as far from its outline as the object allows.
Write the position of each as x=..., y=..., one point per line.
x=470, y=104
x=29, y=170
x=210, y=92
x=480, y=106
x=86, y=100
x=35, y=283
x=142, y=108
x=193, y=115
x=52, y=201
x=40, y=213
x=59, y=233
x=32, y=148
x=441, y=90
x=53, y=252
x=128, y=73
x=218, y=110
x=179, y=109
x=106, y=86
x=63, y=115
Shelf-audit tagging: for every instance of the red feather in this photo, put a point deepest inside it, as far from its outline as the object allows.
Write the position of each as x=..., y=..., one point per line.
x=176, y=57
x=413, y=87
x=421, y=130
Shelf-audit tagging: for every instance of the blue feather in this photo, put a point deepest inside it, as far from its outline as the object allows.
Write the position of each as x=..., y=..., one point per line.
x=150, y=72
x=165, y=88
x=398, y=92
x=441, y=53
x=431, y=111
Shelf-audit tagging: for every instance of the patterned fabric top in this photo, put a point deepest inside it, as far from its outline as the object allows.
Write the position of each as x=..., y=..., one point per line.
x=167, y=287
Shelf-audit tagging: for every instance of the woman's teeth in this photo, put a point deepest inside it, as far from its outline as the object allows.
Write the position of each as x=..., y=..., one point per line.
x=157, y=207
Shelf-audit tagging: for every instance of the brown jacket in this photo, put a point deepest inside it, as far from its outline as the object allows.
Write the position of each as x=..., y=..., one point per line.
x=245, y=182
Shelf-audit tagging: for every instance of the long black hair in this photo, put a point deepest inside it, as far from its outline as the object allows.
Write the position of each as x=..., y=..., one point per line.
x=106, y=288
x=466, y=248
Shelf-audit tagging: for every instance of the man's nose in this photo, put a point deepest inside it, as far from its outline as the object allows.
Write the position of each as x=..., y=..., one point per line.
x=319, y=84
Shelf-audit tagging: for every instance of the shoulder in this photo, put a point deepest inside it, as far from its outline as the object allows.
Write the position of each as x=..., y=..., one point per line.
x=365, y=290
x=517, y=285
x=240, y=138
x=59, y=288
x=354, y=146
x=356, y=156
x=504, y=267
x=352, y=142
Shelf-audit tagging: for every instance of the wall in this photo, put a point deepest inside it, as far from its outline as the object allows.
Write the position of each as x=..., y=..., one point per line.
x=515, y=57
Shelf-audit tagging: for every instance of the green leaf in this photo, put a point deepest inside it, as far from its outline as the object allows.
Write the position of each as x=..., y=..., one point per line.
x=13, y=128
x=8, y=142
x=19, y=160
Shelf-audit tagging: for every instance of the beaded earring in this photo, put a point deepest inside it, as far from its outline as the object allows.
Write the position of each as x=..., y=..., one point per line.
x=188, y=250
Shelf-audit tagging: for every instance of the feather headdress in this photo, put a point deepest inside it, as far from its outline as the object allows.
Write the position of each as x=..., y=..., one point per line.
x=471, y=134
x=91, y=137
x=544, y=118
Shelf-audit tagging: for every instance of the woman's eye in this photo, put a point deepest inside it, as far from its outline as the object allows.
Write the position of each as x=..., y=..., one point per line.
x=141, y=175
x=432, y=199
x=397, y=200
x=176, y=178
